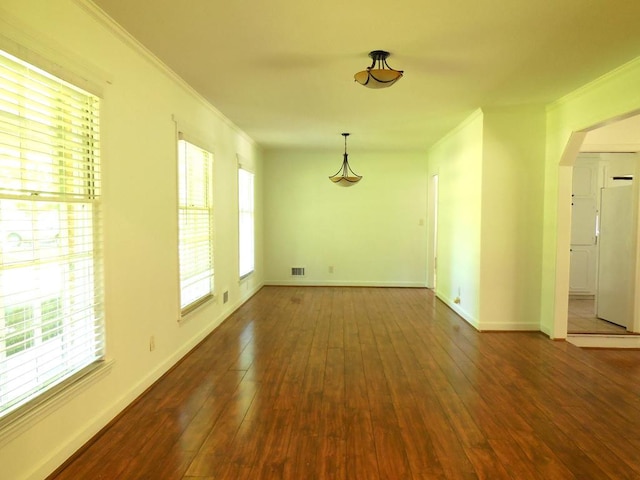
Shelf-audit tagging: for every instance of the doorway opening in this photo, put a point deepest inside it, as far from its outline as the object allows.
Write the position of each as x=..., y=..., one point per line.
x=433, y=254
x=604, y=199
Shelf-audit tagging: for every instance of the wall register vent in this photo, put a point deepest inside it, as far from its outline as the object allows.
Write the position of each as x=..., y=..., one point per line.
x=297, y=271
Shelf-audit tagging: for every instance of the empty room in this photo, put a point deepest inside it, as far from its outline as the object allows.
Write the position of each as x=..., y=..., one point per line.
x=295, y=240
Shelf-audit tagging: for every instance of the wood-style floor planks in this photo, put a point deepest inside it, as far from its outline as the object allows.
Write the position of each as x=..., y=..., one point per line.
x=375, y=383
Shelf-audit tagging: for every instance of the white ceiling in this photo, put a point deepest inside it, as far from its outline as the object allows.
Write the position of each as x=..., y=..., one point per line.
x=282, y=70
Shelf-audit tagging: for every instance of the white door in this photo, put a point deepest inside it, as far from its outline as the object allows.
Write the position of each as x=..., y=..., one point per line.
x=614, y=298
x=582, y=275
x=584, y=215
x=584, y=252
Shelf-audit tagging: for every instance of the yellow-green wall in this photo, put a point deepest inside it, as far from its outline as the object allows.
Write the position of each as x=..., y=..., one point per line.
x=503, y=229
x=457, y=160
x=489, y=229
x=371, y=233
x=614, y=95
x=508, y=259
x=511, y=239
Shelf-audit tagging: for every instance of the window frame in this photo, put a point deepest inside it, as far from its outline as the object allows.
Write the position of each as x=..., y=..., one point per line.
x=250, y=213
x=186, y=142
x=74, y=163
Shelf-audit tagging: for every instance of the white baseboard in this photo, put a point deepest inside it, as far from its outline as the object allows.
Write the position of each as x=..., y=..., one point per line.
x=488, y=326
x=509, y=327
x=604, y=341
x=466, y=316
x=339, y=283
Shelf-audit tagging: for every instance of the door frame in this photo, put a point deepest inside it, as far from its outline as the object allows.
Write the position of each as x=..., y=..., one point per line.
x=432, y=230
x=563, y=233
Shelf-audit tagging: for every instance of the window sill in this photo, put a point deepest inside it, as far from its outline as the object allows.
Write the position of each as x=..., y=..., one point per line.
x=34, y=411
x=246, y=276
x=189, y=309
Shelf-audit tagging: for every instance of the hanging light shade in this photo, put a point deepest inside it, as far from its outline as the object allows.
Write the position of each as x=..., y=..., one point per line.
x=345, y=177
x=379, y=74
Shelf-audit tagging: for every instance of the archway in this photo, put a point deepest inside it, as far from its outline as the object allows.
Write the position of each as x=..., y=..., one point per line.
x=615, y=135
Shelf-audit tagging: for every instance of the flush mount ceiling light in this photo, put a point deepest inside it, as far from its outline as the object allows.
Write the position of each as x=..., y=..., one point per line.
x=379, y=74
x=345, y=177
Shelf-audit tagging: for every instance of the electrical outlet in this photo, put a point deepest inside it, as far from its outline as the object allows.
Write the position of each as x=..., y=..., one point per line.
x=152, y=343
x=456, y=300
x=330, y=268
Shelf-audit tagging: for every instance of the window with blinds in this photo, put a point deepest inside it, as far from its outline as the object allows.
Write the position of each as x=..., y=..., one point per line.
x=246, y=222
x=51, y=324
x=195, y=209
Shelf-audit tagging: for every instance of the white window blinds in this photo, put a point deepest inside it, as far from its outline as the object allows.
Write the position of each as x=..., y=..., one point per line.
x=246, y=222
x=195, y=224
x=51, y=324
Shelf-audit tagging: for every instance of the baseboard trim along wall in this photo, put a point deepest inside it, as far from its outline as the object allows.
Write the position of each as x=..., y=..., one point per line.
x=314, y=283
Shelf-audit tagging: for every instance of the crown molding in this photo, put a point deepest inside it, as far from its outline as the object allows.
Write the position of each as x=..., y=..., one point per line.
x=461, y=126
x=103, y=18
x=628, y=68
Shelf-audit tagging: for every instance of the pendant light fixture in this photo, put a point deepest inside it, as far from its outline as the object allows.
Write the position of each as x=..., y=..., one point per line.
x=345, y=177
x=379, y=74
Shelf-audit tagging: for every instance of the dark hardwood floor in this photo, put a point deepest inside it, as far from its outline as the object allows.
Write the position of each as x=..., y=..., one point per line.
x=375, y=383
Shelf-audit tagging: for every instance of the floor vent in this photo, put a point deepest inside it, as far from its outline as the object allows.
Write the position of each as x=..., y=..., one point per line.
x=297, y=271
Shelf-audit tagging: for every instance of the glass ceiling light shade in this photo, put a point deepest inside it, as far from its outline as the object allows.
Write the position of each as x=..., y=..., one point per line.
x=345, y=177
x=379, y=74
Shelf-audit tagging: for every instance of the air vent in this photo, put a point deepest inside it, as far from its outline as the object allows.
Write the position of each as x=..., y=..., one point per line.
x=297, y=271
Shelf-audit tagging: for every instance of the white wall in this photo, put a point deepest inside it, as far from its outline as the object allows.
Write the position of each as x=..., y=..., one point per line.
x=491, y=173
x=140, y=100
x=512, y=195
x=457, y=160
x=372, y=233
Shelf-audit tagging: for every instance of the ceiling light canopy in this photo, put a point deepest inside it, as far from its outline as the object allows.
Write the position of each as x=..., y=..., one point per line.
x=379, y=74
x=345, y=177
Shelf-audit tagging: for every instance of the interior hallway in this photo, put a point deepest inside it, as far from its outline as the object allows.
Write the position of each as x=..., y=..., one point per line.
x=375, y=383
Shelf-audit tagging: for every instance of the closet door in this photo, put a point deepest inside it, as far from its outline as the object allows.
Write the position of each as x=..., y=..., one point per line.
x=584, y=216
